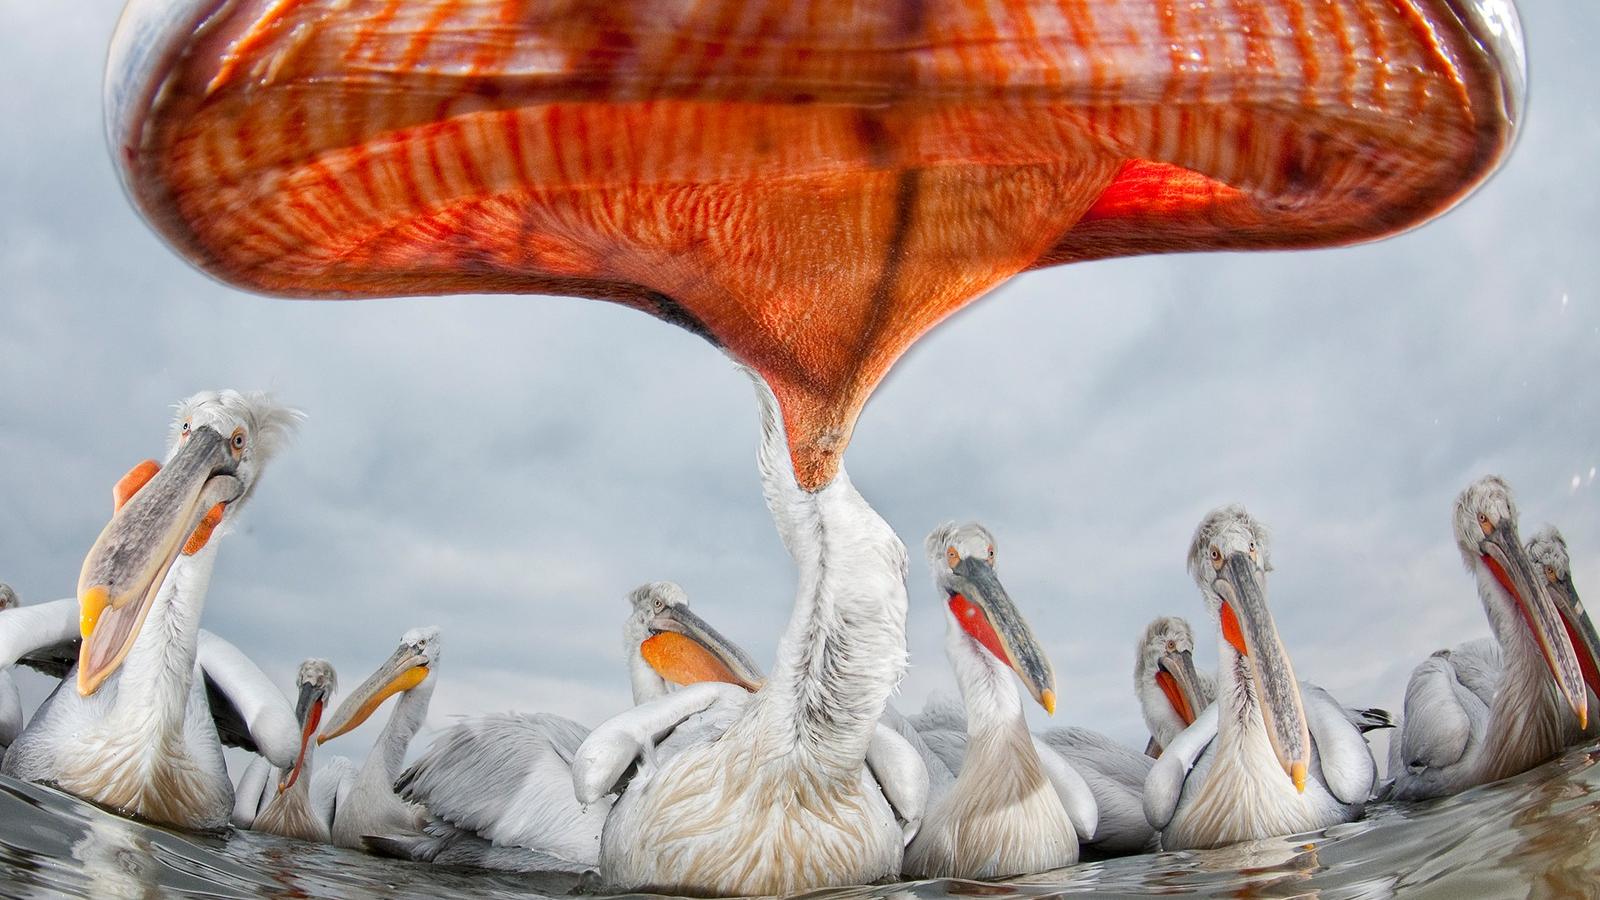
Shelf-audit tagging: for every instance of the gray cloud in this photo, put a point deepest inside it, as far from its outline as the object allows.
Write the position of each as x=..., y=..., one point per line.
x=508, y=467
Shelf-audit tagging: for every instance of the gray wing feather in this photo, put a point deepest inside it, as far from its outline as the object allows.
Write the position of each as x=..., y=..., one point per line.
x=507, y=779
x=1115, y=775
x=1440, y=712
x=940, y=777
x=1348, y=770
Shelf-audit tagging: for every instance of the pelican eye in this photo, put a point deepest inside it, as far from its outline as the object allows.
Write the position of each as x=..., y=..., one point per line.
x=991, y=553
x=1216, y=557
x=661, y=605
x=237, y=441
x=951, y=556
x=1484, y=523
x=1550, y=574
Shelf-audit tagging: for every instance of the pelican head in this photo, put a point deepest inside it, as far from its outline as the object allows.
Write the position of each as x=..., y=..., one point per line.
x=962, y=559
x=220, y=442
x=8, y=597
x=1548, y=550
x=409, y=666
x=1485, y=520
x=1169, y=689
x=1229, y=559
x=317, y=681
x=678, y=645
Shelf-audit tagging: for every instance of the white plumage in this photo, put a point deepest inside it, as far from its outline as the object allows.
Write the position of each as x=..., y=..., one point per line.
x=772, y=793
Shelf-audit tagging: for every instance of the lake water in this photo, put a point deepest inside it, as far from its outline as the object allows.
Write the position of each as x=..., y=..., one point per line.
x=1536, y=835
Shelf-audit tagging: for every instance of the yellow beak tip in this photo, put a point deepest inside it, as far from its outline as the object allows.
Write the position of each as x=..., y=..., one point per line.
x=91, y=604
x=1048, y=701
x=1298, y=773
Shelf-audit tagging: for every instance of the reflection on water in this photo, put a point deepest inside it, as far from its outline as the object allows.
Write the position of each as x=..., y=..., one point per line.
x=1534, y=835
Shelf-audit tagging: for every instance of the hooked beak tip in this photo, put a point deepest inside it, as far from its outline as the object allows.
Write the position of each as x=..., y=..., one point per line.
x=1047, y=699
x=91, y=604
x=1297, y=773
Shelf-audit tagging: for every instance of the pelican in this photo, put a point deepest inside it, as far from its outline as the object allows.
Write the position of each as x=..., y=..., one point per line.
x=299, y=802
x=1548, y=550
x=1486, y=710
x=498, y=788
x=1171, y=693
x=1012, y=810
x=368, y=804
x=131, y=729
x=1273, y=756
x=795, y=786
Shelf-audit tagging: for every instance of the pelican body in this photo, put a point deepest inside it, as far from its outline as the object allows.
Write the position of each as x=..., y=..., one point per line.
x=131, y=728
x=1272, y=756
x=772, y=792
x=498, y=788
x=1486, y=710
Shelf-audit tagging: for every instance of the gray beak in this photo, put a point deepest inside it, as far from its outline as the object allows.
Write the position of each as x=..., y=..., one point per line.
x=1178, y=680
x=1502, y=553
x=705, y=656
x=994, y=621
x=1253, y=634
x=128, y=562
x=1580, y=630
x=308, y=712
x=402, y=671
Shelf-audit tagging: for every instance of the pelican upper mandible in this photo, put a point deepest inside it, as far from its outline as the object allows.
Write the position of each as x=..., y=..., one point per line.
x=368, y=804
x=298, y=802
x=498, y=787
x=131, y=728
x=1011, y=810
x=1486, y=710
x=776, y=791
x=1171, y=693
x=1273, y=755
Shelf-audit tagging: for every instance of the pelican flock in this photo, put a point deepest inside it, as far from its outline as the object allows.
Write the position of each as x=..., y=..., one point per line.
x=834, y=205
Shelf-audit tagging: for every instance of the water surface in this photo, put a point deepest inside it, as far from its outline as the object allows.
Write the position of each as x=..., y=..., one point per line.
x=1536, y=835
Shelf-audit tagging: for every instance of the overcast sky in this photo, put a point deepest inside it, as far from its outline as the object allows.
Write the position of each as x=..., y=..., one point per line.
x=509, y=467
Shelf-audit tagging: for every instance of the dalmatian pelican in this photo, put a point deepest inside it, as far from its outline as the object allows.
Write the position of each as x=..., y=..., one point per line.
x=1012, y=809
x=1171, y=693
x=498, y=788
x=299, y=802
x=367, y=804
x=132, y=727
x=795, y=786
x=1487, y=710
x=1273, y=755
